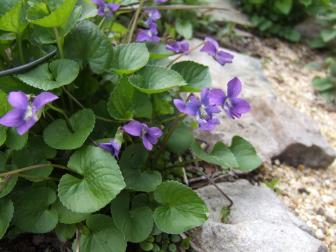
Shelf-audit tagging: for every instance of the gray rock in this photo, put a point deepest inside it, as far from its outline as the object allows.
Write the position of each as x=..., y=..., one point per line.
x=258, y=222
x=277, y=130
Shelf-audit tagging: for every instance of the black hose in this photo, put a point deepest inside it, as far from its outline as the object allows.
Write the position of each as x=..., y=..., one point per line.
x=29, y=65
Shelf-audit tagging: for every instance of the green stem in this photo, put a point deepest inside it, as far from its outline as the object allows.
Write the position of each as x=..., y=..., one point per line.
x=182, y=164
x=135, y=21
x=165, y=140
x=101, y=22
x=82, y=106
x=59, y=42
x=32, y=167
x=19, y=42
x=62, y=112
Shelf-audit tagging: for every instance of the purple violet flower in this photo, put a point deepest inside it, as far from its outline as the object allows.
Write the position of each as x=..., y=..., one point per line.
x=212, y=48
x=149, y=135
x=103, y=7
x=148, y=35
x=113, y=147
x=152, y=15
x=160, y=1
x=178, y=47
x=233, y=106
x=203, y=109
x=26, y=110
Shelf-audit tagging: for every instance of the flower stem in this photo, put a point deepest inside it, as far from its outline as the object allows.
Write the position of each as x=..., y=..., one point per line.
x=19, y=42
x=176, y=7
x=82, y=106
x=135, y=21
x=182, y=54
x=59, y=42
x=32, y=167
x=171, y=130
x=62, y=112
x=182, y=164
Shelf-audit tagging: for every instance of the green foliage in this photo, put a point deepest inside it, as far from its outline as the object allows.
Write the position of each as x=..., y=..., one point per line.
x=280, y=16
x=51, y=75
x=180, y=208
x=78, y=170
x=240, y=155
x=99, y=181
x=326, y=86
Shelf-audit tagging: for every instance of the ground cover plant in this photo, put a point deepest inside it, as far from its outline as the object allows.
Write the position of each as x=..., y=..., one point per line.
x=97, y=116
x=279, y=17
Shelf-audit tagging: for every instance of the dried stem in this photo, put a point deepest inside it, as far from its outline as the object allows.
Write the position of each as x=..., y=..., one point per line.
x=135, y=21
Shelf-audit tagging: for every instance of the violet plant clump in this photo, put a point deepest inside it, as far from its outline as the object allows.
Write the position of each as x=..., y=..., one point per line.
x=95, y=137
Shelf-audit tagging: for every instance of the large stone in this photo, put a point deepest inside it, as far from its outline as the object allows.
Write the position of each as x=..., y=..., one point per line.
x=276, y=129
x=258, y=222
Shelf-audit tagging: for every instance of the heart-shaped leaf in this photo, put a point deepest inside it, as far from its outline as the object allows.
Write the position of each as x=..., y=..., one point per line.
x=125, y=102
x=40, y=14
x=52, y=75
x=66, y=216
x=240, y=155
x=101, y=181
x=126, y=59
x=152, y=79
x=32, y=210
x=181, y=208
x=4, y=108
x=245, y=154
x=57, y=135
x=87, y=44
x=132, y=164
x=13, y=20
x=136, y=224
x=65, y=232
x=15, y=141
x=196, y=75
x=6, y=215
x=103, y=236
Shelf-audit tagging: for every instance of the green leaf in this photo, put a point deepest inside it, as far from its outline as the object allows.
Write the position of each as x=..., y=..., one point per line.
x=240, y=155
x=306, y=3
x=39, y=14
x=132, y=165
x=52, y=75
x=181, y=139
x=57, y=135
x=101, y=181
x=184, y=28
x=163, y=104
x=153, y=79
x=88, y=45
x=125, y=102
x=158, y=51
x=128, y=58
x=65, y=232
x=220, y=155
x=196, y=75
x=284, y=6
x=32, y=210
x=181, y=209
x=6, y=215
x=4, y=108
x=328, y=35
x=103, y=236
x=136, y=224
x=15, y=141
x=66, y=216
x=7, y=185
x=35, y=152
x=13, y=20
x=323, y=84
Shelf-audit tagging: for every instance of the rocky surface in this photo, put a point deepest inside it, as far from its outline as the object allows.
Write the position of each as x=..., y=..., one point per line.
x=275, y=128
x=258, y=221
